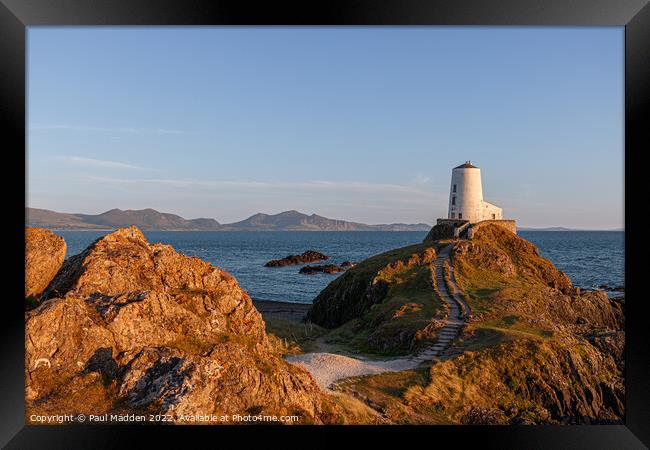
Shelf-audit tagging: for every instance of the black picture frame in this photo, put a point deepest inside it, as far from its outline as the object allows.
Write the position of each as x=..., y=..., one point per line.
x=16, y=15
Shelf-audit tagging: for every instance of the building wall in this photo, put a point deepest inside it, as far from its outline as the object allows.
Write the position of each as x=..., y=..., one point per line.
x=466, y=202
x=447, y=228
x=444, y=229
x=466, y=197
x=491, y=212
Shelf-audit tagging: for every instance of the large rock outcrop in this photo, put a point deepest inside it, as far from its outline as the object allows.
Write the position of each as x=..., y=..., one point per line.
x=127, y=325
x=44, y=255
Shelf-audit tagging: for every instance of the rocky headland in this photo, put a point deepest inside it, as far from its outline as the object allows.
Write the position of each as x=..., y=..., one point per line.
x=532, y=350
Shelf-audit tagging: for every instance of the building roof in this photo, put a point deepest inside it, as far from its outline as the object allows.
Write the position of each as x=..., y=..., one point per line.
x=467, y=165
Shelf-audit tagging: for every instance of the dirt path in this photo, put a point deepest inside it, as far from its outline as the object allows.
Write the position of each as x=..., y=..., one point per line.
x=326, y=368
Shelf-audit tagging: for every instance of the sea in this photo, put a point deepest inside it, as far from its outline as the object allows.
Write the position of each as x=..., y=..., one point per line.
x=589, y=258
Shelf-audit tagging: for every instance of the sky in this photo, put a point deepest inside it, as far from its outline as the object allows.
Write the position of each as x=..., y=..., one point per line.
x=354, y=123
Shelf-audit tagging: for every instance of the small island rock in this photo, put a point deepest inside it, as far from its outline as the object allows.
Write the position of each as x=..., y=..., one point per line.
x=323, y=268
x=309, y=256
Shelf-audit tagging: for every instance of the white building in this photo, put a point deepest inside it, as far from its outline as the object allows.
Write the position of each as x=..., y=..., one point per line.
x=466, y=196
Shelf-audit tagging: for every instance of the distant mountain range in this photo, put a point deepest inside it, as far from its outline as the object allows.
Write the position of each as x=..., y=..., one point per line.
x=150, y=219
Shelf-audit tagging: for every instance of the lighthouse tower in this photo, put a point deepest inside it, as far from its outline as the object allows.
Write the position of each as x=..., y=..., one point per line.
x=466, y=196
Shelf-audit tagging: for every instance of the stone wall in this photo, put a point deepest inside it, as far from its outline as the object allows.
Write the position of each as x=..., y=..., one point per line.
x=444, y=229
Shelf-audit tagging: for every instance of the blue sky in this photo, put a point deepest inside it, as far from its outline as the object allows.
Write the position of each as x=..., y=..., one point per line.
x=358, y=123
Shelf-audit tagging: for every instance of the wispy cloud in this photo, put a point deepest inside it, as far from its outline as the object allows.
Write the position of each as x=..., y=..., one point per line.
x=41, y=127
x=312, y=185
x=100, y=163
x=420, y=179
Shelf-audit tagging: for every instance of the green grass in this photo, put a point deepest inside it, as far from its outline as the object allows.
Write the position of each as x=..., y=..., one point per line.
x=384, y=392
x=513, y=324
x=371, y=266
x=291, y=337
x=408, y=307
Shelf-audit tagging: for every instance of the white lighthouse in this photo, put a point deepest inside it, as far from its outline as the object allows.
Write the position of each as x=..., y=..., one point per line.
x=466, y=196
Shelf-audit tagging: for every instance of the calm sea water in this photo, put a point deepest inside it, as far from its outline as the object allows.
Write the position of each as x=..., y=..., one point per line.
x=590, y=258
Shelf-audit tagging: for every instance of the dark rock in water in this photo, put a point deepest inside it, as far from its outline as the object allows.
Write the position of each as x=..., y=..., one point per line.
x=138, y=325
x=44, y=255
x=324, y=268
x=348, y=264
x=307, y=257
